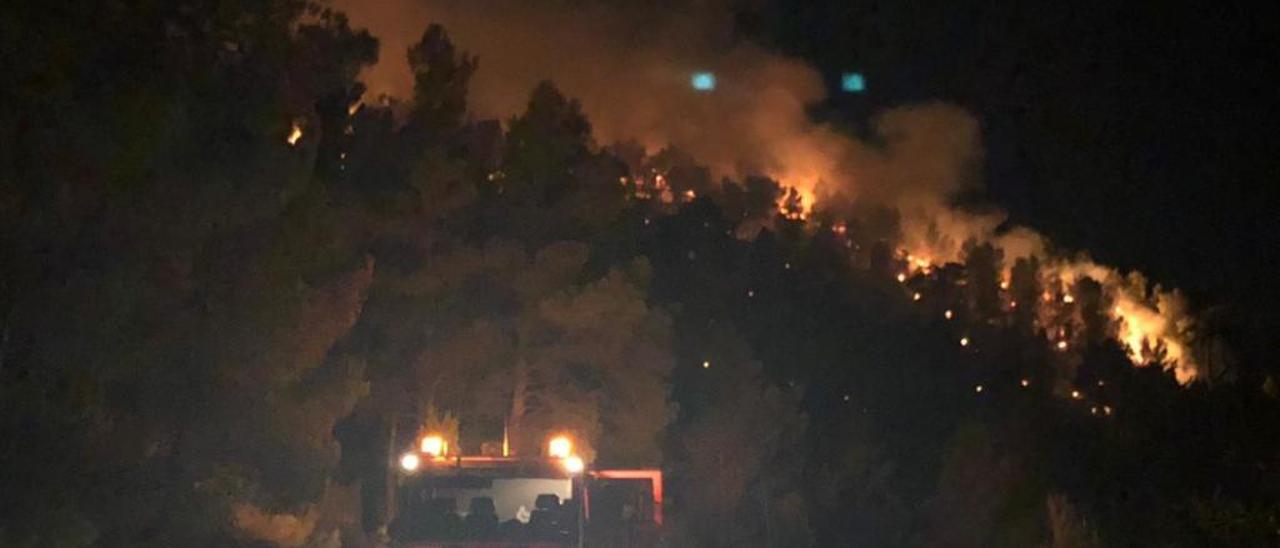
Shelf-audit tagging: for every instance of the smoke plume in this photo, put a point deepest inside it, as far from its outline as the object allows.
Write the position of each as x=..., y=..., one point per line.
x=630, y=65
x=631, y=69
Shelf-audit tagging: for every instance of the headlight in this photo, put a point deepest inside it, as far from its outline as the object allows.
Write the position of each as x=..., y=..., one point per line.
x=559, y=447
x=573, y=465
x=433, y=445
x=409, y=462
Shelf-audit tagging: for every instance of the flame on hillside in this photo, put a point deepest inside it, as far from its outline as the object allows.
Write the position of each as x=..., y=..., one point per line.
x=912, y=159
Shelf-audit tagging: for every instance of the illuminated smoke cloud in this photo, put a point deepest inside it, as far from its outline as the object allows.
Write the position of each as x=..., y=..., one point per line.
x=632, y=68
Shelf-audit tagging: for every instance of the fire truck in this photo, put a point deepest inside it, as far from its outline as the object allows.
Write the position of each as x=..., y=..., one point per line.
x=555, y=499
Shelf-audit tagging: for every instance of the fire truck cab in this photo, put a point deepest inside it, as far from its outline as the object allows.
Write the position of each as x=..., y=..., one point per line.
x=541, y=501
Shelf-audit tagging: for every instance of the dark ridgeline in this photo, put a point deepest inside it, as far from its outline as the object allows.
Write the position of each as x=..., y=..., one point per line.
x=208, y=324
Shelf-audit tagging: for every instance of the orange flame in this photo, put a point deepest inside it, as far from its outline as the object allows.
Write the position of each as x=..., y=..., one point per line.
x=295, y=134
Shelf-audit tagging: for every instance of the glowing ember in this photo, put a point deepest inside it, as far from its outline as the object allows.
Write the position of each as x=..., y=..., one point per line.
x=948, y=315
x=978, y=388
x=1024, y=383
x=1075, y=395
x=915, y=296
x=964, y=341
x=1004, y=286
x=1068, y=299
x=295, y=134
x=902, y=278
x=1062, y=345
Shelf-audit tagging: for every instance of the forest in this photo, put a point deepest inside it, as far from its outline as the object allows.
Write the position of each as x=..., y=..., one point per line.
x=226, y=271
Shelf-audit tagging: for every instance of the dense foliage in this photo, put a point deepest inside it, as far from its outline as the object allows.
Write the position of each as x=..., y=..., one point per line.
x=209, y=328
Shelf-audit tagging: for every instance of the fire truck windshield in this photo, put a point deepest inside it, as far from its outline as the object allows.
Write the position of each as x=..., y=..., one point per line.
x=517, y=504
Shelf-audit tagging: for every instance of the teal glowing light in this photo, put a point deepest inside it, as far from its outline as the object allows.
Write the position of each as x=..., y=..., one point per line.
x=703, y=81
x=853, y=82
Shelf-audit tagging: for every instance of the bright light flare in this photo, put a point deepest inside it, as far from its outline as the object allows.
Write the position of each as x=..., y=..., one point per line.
x=703, y=81
x=902, y=277
x=433, y=445
x=560, y=447
x=573, y=464
x=409, y=462
x=964, y=341
x=853, y=82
